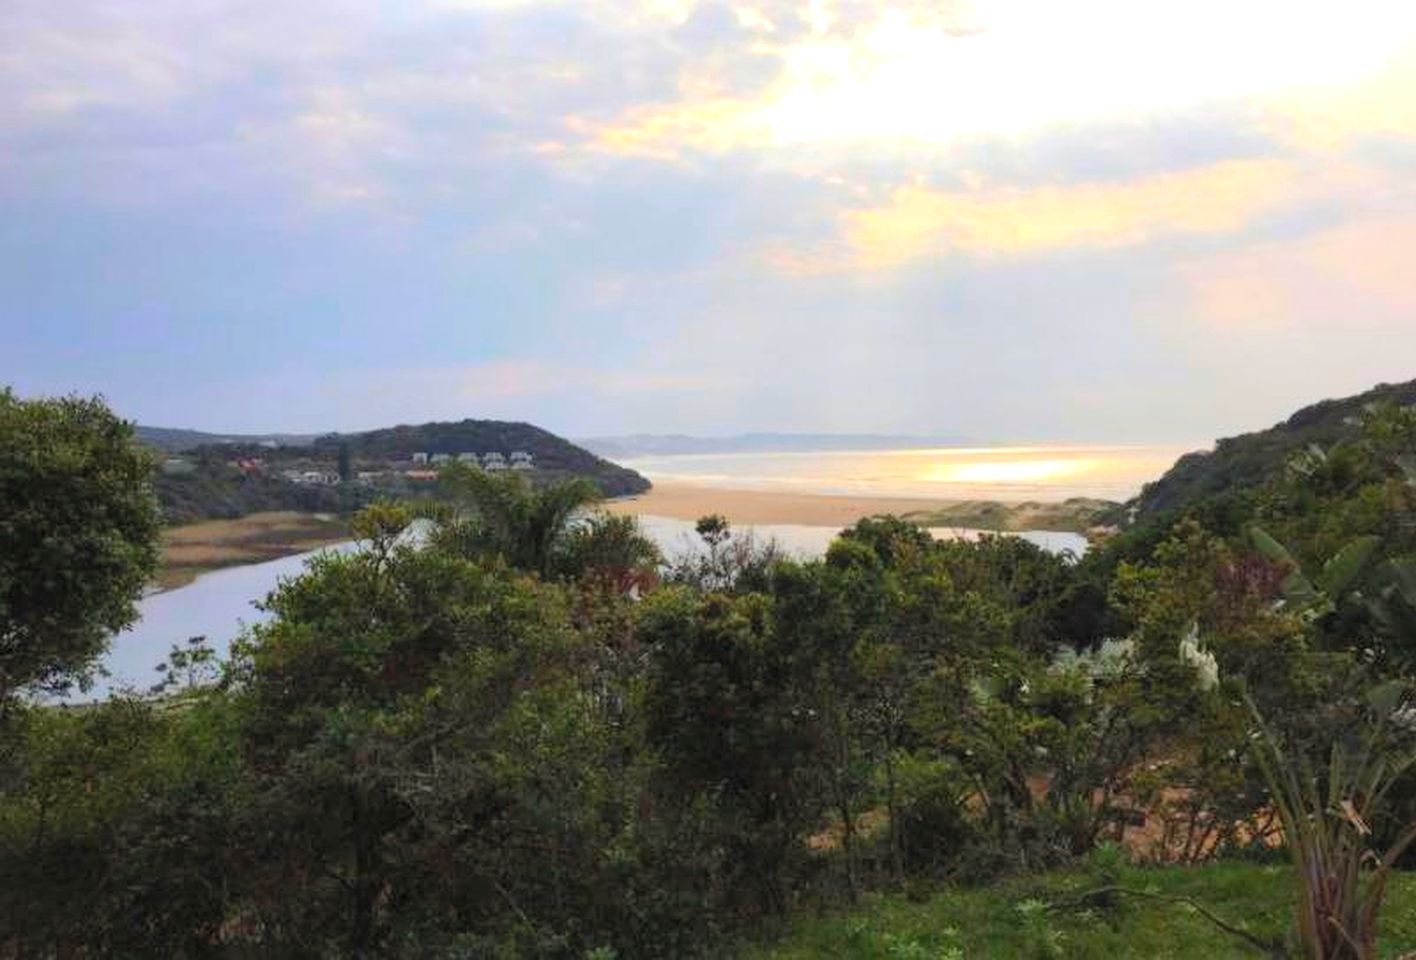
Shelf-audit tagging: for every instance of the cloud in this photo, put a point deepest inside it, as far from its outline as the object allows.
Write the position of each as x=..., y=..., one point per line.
x=1339, y=118
x=919, y=222
x=701, y=214
x=931, y=74
x=1353, y=276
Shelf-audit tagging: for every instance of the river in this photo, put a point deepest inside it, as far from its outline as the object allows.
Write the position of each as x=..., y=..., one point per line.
x=220, y=604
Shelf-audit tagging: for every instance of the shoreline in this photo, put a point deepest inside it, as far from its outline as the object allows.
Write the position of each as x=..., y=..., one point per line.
x=687, y=501
x=192, y=549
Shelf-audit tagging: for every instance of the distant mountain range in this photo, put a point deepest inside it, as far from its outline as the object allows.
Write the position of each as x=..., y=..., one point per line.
x=1252, y=459
x=170, y=440
x=670, y=444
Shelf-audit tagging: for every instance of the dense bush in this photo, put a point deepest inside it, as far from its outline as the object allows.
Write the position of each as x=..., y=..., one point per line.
x=516, y=735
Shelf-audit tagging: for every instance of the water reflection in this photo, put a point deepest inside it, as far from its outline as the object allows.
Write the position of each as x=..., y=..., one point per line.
x=949, y=473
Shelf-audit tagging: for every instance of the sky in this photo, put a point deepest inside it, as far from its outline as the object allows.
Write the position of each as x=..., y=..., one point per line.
x=1099, y=220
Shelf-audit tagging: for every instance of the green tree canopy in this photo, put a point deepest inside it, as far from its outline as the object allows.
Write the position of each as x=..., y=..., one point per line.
x=78, y=536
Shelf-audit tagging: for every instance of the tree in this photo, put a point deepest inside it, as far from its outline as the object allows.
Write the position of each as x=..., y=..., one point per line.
x=610, y=551
x=507, y=516
x=346, y=463
x=78, y=537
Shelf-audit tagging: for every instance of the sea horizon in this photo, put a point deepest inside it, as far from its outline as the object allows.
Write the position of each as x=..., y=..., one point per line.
x=1011, y=473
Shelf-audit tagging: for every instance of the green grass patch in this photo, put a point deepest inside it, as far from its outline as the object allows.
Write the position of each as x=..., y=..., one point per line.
x=1022, y=919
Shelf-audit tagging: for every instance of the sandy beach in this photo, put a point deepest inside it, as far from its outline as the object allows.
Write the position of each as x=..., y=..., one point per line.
x=685, y=501
x=689, y=502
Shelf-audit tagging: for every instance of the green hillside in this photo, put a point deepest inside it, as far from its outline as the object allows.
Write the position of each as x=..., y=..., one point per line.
x=202, y=477
x=555, y=457
x=177, y=440
x=1251, y=459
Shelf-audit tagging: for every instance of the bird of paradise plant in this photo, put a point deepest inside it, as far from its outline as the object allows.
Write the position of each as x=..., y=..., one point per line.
x=1327, y=826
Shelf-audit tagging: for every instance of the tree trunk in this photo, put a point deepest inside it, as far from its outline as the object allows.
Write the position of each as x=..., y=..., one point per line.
x=897, y=845
x=366, y=878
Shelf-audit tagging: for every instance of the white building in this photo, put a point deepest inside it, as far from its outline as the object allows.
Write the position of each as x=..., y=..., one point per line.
x=176, y=466
x=521, y=460
x=313, y=478
x=467, y=458
x=441, y=458
x=420, y=458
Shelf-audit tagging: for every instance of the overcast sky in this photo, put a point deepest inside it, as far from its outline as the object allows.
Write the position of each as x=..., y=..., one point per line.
x=1023, y=219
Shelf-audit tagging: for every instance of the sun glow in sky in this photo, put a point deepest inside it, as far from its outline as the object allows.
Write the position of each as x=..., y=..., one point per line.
x=1002, y=219
x=1008, y=471
x=938, y=73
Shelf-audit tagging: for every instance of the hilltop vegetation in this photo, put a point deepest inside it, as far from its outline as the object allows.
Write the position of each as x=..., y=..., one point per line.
x=213, y=484
x=1248, y=461
x=216, y=490
x=555, y=458
x=171, y=440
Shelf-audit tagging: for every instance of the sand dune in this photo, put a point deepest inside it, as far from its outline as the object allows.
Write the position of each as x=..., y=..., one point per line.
x=688, y=502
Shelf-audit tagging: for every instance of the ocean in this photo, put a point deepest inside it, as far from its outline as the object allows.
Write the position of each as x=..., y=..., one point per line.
x=1010, y=474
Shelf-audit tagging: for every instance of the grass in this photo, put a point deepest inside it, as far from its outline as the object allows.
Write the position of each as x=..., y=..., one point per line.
x=196, y=548
x=1015, y=919
x=1077, y=515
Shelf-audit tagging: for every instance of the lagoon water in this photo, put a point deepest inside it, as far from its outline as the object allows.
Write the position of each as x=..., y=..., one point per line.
x=1010, y=474
x=216, y=605
x=220, y=604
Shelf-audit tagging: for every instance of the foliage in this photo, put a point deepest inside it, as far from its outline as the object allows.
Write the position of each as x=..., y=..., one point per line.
x=78, y=537
x=1255, y=459
x=556, y=459
x=1326, y=817
x=987, y=922
x=503, y=515
x=727, y=561
x=505, y=727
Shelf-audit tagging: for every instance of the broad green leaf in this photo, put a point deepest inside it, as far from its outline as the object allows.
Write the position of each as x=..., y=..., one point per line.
x=1264, y=542
x=1404, y=573
x=1298, y=590
x=1342, y=570
x=1386, y=697
x=1407, y=463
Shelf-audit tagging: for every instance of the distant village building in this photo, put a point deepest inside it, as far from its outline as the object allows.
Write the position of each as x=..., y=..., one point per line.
x=467, y=458
x=493, y=457
x=421, y=474
x=441, y=458
x=420, y=458
x=311, y=478
x=521, y=460
x=177, y=467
